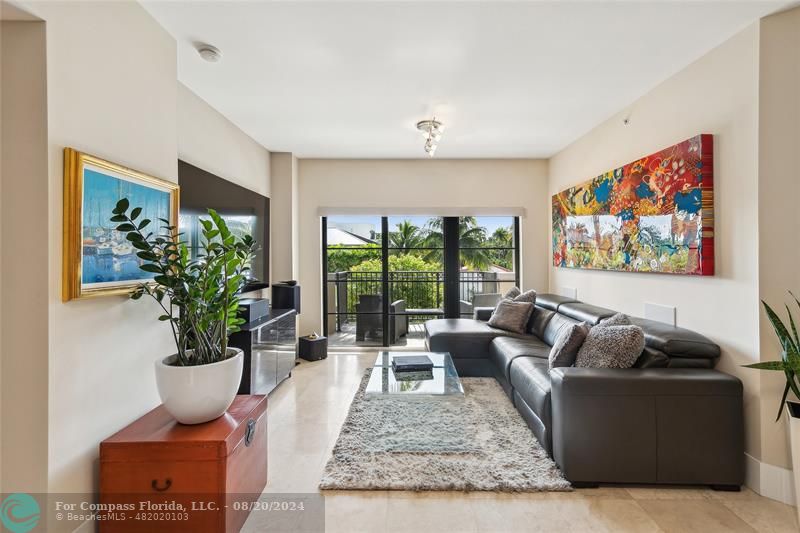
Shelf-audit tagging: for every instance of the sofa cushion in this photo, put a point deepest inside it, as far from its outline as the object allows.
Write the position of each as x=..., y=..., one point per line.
x=567, y=345
x=503, y=350
x=652, y=358
x=530, y=378
x=675, y=341
x=552, y=301
x=553, y=327
x=611, y=347
x=511, y=316
x=591, y=314
x=462, y=337
x=539, y=319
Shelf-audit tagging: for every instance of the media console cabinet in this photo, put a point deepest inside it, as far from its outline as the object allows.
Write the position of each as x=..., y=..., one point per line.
x=269, y=346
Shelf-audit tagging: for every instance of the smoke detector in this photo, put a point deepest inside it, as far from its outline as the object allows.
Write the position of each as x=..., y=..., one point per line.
x=208, y=52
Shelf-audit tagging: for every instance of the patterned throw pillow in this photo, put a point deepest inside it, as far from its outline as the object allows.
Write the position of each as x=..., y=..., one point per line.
x=620, y=319
x=512, y=293
x=515, y=295
x=567, y=345
x=527, y=296
x=511, y=316
x=611, y=347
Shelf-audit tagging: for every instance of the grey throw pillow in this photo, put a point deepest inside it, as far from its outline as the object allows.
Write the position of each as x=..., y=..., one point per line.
x=527, y=296
x=620, y=319
x=511, y=316
x=512, y=293
x=515, y=295
x=611, y=347
x=567, y=345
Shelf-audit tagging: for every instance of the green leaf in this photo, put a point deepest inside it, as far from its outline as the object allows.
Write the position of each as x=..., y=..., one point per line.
x=794, y=327
x=136, y=212
x=780, y=329
x=119, y=218
x=164, y=318
x=769, y=365
x=121, y=206
x=126, y=226
x=783, y=401
x=143, y=224
x=150, y=267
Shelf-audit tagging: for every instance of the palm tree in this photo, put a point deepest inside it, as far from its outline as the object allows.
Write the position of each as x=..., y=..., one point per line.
x=502, y=241
x=470, y=237
x=406, y=237
x=501, y=238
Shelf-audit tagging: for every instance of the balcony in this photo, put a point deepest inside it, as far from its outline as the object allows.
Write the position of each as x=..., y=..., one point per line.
x=355, y=307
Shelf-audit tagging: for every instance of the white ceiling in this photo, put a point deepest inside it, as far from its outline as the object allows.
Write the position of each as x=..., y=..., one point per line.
x=524, y=79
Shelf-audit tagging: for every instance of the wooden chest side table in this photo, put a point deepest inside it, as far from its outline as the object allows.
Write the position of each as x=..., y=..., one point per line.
x=210, y=470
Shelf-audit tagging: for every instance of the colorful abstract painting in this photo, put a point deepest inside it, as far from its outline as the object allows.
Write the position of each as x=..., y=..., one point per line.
x=653, y=215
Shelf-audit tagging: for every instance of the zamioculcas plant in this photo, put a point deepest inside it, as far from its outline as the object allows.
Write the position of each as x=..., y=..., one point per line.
x=790, y=355
x=199, y=297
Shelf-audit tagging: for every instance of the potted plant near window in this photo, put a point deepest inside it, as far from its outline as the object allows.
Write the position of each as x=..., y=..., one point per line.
x=199, y=299
x=790, y=366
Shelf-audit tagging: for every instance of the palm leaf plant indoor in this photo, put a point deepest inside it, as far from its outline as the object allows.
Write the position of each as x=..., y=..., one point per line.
x=199, y=298
x=789, y=364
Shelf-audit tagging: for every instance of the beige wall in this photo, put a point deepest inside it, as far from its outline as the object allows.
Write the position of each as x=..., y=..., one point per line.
x=717, y=94
x=418, y=184
x=208, y=140
x=111, y=91
x=24, y=273
x=778, y=214
x=283, y=216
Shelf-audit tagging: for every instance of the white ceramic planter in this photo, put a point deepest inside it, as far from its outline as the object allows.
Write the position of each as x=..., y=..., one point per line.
x=793, y=410
x=197, y=394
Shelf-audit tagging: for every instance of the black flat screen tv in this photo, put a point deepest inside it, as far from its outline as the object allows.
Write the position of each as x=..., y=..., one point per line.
x=244, y=211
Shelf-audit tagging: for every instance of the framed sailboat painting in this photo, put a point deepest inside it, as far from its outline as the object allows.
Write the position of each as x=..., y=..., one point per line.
x=97, y=259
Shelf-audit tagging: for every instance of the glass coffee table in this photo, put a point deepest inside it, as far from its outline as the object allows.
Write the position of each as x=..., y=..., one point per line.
x=443, y=380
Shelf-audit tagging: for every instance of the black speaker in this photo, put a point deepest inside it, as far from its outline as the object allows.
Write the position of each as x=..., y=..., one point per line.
x=286, y=296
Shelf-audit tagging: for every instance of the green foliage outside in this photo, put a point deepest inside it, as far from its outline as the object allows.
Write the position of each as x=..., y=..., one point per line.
x=365, y=261
x=343, y=258
x=417, y=295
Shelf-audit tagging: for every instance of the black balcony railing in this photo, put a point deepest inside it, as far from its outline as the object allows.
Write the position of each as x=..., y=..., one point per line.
x=419, y=290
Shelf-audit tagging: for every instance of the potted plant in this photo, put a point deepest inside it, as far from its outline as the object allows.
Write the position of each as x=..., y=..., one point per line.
x=790, y=366
x=199, y=299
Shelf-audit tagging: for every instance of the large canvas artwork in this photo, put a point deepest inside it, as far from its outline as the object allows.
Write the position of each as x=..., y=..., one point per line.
x=97, y=258
x=653, y=215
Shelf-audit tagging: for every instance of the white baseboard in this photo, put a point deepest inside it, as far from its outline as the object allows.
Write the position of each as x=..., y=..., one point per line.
x=769, y=480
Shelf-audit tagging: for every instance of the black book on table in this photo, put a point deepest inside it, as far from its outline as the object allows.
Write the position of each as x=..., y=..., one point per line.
x=411, y=363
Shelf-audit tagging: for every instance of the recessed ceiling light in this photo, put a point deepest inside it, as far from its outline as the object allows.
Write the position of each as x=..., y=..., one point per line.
x=208, y=52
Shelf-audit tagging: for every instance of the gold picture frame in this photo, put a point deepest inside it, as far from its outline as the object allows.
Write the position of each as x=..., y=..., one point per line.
x=97, y=260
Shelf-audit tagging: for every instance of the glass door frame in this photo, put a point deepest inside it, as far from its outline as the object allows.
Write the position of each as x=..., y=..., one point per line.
x=451, y=254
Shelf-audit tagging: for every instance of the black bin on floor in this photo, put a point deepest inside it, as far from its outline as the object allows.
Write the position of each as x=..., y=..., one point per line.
x=312, y=349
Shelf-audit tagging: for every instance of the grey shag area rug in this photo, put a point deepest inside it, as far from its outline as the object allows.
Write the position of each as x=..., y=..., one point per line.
x=478, y=442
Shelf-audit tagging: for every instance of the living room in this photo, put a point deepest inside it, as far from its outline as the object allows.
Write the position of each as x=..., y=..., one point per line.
x=478, y=142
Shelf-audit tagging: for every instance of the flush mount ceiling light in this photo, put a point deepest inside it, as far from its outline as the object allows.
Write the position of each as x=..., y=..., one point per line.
x=432, y=131
x=208, y=52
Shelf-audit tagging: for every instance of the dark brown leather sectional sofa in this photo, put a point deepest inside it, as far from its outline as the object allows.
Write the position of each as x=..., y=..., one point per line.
x=670, y=419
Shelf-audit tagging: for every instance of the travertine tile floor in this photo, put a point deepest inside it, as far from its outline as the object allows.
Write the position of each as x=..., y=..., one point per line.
x=306, y=412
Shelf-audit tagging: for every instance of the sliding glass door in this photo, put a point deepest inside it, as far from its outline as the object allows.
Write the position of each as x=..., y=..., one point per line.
x=385, y=276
